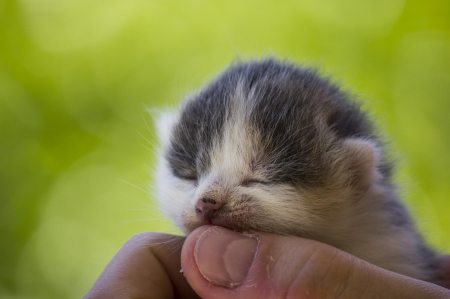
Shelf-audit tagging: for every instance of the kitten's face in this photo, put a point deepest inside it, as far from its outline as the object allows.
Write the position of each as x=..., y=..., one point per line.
x=263, y=157
x=244, y=196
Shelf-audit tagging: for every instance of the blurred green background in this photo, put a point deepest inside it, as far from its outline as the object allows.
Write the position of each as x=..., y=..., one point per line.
x=78, y=76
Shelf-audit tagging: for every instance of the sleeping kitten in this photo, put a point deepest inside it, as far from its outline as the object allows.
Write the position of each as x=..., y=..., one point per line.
x=269, y=146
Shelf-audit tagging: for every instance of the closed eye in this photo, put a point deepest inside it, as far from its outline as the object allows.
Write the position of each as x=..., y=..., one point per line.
x=185, y=175
x=190, y=179
x=253, y=183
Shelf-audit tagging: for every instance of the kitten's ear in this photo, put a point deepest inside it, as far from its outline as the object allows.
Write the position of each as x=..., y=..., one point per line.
x=362, y=158
x=164, y=123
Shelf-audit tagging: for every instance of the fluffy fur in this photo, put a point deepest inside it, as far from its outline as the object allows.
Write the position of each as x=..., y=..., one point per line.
x=274, y=147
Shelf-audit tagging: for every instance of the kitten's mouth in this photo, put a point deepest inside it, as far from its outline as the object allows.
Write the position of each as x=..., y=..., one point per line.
x=225, y=223
x=233, y=221
x=206, y=222
x=216, y=222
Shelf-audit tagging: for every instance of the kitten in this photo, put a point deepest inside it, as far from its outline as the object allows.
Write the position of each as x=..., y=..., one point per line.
x=270, y=146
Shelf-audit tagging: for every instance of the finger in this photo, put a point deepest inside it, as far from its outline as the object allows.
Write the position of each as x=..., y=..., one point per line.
x=444, y=271
x=223, y=264
x=147, y=266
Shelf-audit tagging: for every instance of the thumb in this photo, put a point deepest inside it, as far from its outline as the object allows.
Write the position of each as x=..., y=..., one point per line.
x=219, y=263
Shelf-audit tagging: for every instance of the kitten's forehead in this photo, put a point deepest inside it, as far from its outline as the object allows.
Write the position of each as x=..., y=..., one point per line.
x=238, y=144
x=286, y=117
x=199, y=127
x=214, y=134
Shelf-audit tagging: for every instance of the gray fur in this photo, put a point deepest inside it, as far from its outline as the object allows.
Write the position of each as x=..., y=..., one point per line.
x=281, y=149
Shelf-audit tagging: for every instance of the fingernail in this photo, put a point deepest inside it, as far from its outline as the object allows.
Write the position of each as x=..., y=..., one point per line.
x=224, y=257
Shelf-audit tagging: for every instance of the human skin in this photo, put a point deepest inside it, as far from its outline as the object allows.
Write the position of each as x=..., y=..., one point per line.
x=219, y=263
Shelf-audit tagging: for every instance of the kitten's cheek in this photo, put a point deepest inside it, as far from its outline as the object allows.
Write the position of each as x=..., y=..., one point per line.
x=188, y=218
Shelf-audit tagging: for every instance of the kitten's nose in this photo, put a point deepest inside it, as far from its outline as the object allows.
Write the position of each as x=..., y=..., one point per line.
x=206, y=207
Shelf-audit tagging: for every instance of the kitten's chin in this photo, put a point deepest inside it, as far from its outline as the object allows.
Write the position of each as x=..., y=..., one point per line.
x=225, y=223
x=191, y=226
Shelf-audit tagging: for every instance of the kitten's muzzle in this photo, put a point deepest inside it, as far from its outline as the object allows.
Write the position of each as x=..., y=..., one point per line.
x=206, y=208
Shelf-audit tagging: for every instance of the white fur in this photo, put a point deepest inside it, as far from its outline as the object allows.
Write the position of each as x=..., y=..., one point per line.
x=164, y=125
x=282, y=208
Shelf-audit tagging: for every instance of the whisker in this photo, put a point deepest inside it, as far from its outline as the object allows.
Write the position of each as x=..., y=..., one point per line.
x=137, y=187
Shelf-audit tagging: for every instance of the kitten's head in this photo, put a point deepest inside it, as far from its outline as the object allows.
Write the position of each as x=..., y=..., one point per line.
x=267, y=146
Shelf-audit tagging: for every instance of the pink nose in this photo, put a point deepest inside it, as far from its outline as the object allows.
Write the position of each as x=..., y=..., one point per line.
x=206, y=208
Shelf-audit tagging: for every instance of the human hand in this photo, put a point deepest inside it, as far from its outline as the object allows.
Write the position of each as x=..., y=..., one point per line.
x=219, y=263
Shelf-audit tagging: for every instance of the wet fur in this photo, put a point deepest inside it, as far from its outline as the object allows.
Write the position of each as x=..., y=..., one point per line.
x=286, y=151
